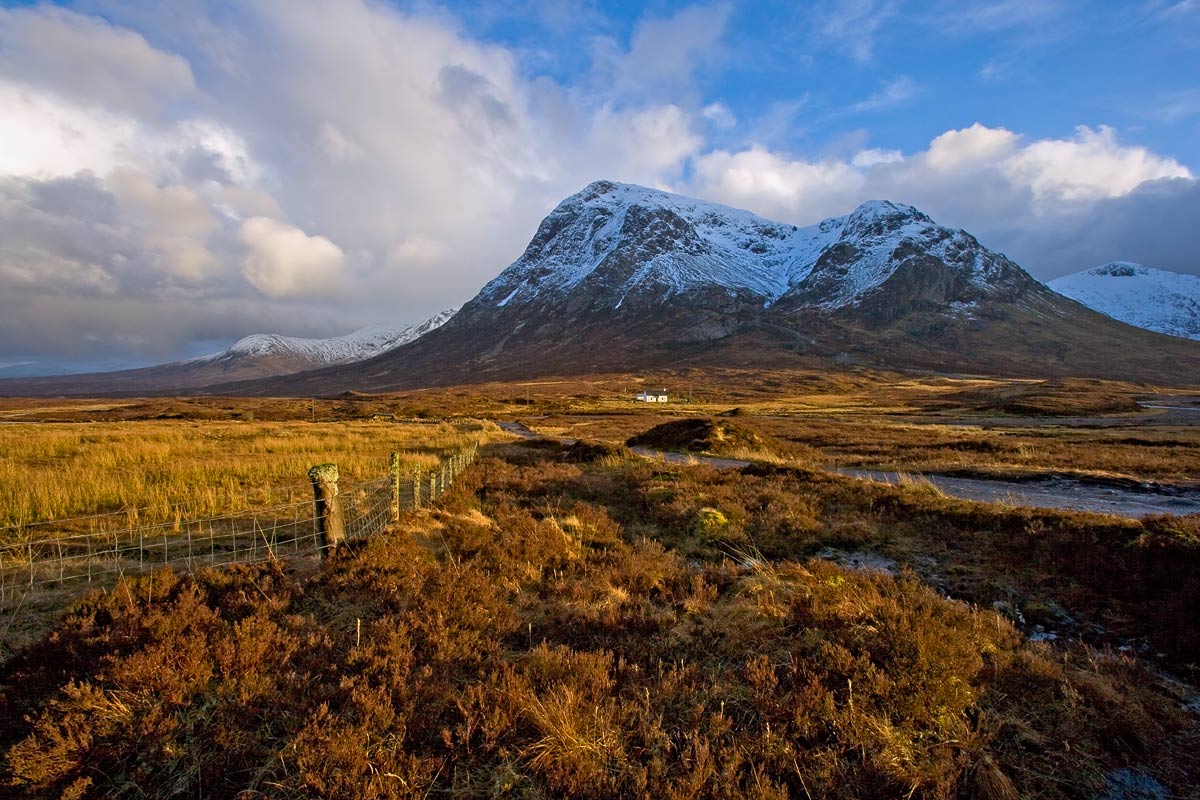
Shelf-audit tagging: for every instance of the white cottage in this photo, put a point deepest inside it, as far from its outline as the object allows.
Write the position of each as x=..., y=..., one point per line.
x=648, y=396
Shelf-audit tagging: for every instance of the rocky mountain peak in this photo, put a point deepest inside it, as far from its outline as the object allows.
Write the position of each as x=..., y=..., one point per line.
x=881, y=217
x=614, y=243
x=1119, y=269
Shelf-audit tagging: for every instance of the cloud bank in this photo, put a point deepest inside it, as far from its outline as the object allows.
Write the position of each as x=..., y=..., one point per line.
x=172, y=181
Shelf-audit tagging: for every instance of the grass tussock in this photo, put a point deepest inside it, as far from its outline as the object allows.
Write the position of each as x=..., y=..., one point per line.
x=599, y=628
x=721, y=436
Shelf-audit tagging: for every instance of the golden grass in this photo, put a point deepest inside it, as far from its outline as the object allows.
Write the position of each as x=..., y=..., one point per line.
x=157, y=471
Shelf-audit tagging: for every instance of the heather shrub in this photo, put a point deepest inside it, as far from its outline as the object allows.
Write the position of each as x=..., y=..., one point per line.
x=551, y=630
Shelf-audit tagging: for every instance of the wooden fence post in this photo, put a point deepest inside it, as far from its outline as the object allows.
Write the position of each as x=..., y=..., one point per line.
x=331, y=523
x=394, y=474
x=416, y=485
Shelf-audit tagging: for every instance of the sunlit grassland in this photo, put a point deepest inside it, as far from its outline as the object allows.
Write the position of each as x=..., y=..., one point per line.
x=877, y=441
x=156, y=471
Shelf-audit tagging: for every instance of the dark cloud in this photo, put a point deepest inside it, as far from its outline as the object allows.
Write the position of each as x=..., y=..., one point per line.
x=1157, y=224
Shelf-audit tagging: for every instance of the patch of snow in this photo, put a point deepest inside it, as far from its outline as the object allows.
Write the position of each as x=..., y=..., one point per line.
x=511, y=295
x=963, y=308
x=1155, y=299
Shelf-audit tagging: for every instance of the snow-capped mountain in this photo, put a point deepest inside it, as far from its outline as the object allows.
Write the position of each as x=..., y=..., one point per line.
x=614, y=241
x=357, y=346
x=1154, y=299
x=251, y=358
x=622, y=278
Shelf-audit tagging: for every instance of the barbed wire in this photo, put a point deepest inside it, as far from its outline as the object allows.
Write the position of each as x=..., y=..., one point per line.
x=158, y=507
x=85, y=558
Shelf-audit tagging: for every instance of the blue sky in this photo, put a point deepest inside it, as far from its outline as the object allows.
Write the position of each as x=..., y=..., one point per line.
x=1041, y=67
x=175, y=176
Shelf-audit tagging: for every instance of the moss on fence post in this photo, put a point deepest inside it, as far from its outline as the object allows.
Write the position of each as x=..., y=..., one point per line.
x=394, y=474
x=331, y=523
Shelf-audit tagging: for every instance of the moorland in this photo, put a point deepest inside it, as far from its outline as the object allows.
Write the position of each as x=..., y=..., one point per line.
x=575, y=619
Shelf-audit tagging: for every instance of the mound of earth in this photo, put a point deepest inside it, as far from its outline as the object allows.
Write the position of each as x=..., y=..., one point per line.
x=582, y=452
x=698, y=435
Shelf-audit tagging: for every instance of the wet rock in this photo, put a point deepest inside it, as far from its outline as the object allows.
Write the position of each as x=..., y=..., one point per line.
x=1131, y=784
x=869, y=562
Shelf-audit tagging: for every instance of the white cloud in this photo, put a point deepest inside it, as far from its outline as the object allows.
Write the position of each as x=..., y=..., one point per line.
x=1090, y=165
x=1183, y=8
x=418, y=251
x=174, y=223
x=336, y=144
x=87, y=60
x=424, y=154
x=41, y=134
x=284, y=261
x=896, y=92
x=970, y=148
x=719, y=115
x=987, y=180
x=869, y=157
x=995, y=15
x=663, y=52
x=854, y=25
x=776, y=186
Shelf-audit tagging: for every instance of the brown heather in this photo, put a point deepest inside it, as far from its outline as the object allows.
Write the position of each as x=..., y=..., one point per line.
x=577, y=623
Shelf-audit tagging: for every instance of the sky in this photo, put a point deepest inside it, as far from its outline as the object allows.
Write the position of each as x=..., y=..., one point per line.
x=174, y=176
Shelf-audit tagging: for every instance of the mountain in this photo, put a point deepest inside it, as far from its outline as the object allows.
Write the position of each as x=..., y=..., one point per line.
x=1154, y=299
x=253, y=357
x=298, y=354
x=624, y=278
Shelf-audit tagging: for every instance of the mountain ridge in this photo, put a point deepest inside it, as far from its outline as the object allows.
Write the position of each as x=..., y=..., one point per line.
x=354, y=346
x=621, y=278
x=684, y=242
x=252, y=357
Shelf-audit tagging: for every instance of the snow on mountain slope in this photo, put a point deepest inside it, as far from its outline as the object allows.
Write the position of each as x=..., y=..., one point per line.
x=356, y=346
x=1154, y=299
x=620, y=278
x=624, y=239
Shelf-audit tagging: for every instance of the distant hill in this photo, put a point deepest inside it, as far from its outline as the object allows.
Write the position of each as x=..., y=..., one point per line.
x=1154, y=299
x=621, y=277
x=256, y=356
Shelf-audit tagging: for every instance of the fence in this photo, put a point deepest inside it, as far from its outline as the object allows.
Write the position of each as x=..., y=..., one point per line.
x=285, y=530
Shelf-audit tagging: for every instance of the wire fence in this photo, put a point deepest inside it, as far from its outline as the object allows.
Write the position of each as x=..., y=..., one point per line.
x=286, y=530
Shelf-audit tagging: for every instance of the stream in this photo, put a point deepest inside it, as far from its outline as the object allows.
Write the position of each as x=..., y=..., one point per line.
x=1051, y=492
x=1054, y=492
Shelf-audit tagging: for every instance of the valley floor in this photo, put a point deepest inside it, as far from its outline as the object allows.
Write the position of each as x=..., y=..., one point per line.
x=576, y=620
